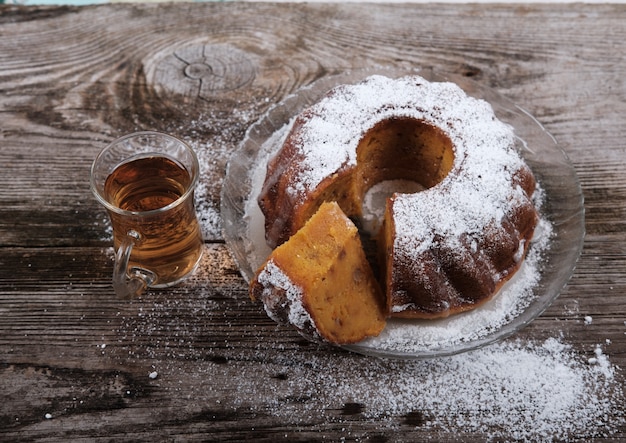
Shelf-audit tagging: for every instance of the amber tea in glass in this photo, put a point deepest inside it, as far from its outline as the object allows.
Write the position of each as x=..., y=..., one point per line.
x=146, y=181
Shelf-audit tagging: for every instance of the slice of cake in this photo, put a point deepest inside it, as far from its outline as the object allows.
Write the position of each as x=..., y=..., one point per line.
x=321, y=282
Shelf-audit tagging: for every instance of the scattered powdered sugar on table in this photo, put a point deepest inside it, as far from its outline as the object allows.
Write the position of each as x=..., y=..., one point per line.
x=212, y=157
x=514, y=390
x=522, y=390
x=528, y=391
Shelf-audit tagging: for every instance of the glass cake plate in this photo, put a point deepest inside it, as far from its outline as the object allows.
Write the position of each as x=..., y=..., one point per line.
x=550, y=262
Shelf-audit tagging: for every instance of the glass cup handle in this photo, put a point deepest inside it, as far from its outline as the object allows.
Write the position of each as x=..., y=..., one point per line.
x=129, y=283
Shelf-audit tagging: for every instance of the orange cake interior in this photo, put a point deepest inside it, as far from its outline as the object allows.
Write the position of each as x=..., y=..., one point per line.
x=321, y=281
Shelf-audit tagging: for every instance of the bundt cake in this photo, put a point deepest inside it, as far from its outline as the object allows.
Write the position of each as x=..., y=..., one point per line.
x=321, y=282
x=443, y=250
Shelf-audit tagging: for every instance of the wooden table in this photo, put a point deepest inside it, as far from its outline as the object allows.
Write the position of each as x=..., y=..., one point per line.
x=202, y=362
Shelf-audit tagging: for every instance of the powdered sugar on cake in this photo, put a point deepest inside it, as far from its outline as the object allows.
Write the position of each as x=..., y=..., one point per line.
x=406, y=337
x=336, y=124
x=472, y=194
x=274, y=279
x=471, y=197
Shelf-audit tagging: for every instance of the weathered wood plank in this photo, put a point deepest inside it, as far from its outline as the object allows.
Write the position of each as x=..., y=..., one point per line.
x=72, y=79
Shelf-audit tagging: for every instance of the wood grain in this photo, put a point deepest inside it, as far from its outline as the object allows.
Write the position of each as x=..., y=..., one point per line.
x=72, y=79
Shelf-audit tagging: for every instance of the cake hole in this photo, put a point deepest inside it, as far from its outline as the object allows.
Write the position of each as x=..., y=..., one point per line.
x=399, y=155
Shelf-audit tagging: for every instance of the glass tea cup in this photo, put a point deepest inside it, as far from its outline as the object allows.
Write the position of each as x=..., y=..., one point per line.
x=146, y=181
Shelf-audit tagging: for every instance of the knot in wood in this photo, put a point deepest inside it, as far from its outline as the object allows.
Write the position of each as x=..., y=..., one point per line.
x=201, y=70
x=198, y=71
x=218, y=67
